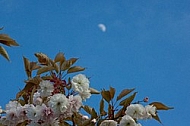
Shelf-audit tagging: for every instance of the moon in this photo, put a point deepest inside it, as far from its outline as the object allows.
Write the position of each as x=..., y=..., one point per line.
x=102, y=27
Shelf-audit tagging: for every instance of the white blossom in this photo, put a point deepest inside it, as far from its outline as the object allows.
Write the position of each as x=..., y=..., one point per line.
x=93, y=120
x=150, y=111
x=58, y=103
x=46, y=88
x=37, y=100
x=33, y=112
x=80, y=84
x=127, y=121
x=108, y=123
x=1, y=110
x=136, y=111
x=85, y=94
x=12, y=104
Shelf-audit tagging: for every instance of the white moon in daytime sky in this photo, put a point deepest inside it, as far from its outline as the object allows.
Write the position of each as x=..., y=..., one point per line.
x=102, y=27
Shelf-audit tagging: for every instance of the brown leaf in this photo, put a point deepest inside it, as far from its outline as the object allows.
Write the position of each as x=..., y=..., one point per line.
x=73, y=60
x=102, y=111
x=34, y=66
x=53, y=64
x=106, y=95
x=94, y=115
x=66, y=65
x=94, y=91
x=27, y=66
x=124, y=93
x=63, y=123
x=160, y=106
x=75, y=69
x=157, y=118
x=42, y=58
x=88, y=109
x=4, y=53
x=6, y=40
x=59, y=58
x=112, y=92
x=120, y=113
x=128, y=100
x=45, y=69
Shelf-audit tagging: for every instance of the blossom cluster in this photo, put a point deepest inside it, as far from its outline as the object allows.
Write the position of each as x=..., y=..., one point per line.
x=48, y=107
x=133, y=113
x=56, y=100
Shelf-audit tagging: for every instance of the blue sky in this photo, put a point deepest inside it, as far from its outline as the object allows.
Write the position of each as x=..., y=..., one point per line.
x=146, y=46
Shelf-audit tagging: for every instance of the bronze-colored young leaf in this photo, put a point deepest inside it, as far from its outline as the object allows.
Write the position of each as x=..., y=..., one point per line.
x=45, y=69
x=124, y=93
x=34, y=81
x=94, y=91
x=88, y=109
x=128, y=100
x=6, y=40
x=34, y=66
x=112, y=92
x=66, y=65
x=157, y=118
x=42, y=58
x=75, y=69
x=94, y=115
x=53, y=64
x=63, y=123
x=27, y=66
x=106, y=95
x=102, y=111
x=4, y=53
x=73, y=60
x=24, y=123
x=160, y=106
x=120, y=113
x=59, y=58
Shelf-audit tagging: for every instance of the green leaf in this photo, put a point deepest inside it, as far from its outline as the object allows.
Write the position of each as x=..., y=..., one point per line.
x=75, y=69
x=4, y=53
x=124, y=93
x=160, y=106
x=128, y=100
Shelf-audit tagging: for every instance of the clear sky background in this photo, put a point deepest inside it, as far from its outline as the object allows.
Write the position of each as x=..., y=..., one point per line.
x=146, y=45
